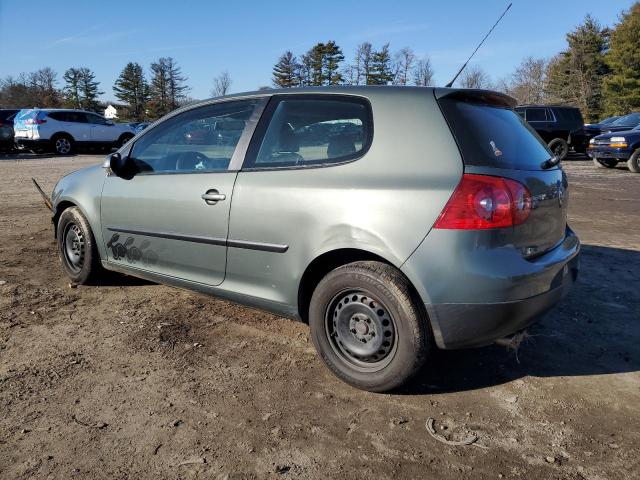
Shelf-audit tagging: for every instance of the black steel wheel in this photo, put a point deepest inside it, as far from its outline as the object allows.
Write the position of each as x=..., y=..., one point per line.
x=76, y=247
x=368, y=326
x=361, y=329
x=559, y=147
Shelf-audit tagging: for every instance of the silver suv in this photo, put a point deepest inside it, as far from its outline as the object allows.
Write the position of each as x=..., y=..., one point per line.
x=64, y=130
x=393, y=220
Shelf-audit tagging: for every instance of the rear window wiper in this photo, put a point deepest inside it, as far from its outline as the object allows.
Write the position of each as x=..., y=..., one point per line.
x=550, y=163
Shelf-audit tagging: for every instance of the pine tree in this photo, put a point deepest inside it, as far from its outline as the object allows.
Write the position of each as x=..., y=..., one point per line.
x=132, y=89
x=331, y=58
x=89, y=90
x=381, y=72
x=286, y=73
x=622, y=87
x=315, y=59
x=72, y=88
x=576, y=76
x=167, y=87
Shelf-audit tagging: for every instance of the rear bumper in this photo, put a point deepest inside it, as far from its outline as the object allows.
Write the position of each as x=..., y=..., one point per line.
x=478, y=324
x=489, y=295
x=27, y=143
x=617, y=153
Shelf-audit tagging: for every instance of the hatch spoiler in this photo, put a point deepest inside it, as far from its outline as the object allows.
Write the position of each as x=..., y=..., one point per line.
x=472, y=95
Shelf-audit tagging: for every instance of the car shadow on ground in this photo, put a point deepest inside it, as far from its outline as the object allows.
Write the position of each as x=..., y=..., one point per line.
x=594, y=331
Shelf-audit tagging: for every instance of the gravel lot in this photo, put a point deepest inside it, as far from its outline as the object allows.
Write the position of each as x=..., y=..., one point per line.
x=135, y=380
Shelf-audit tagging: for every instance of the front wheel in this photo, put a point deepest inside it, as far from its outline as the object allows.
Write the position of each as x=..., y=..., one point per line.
x=77, y=247
x=368, y=326
x=634, y=162
x=605, y=162
x=559, y=147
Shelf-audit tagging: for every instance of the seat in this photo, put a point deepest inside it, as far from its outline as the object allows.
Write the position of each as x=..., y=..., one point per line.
x=340, y=146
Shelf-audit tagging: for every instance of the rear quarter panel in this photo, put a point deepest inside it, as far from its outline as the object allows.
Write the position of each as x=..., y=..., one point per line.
x=384, y=203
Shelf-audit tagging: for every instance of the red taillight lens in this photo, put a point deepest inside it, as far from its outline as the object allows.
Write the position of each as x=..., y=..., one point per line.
x=34, y=121
x=481, y=201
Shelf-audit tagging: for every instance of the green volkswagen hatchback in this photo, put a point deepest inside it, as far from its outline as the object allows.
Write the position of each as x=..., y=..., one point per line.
x=394, y=220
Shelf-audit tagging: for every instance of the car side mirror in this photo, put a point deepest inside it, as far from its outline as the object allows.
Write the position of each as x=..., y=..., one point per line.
x=120, y=165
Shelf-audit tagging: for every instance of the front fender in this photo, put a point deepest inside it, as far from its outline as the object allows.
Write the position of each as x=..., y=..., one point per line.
x=83, y=189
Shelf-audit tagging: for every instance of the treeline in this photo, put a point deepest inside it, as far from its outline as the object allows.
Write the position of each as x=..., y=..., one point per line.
x=599, y=72
x=324, y=64
x=142, y=98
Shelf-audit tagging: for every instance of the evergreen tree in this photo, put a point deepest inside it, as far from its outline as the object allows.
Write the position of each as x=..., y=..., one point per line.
x=89, y=92
x=576, y=75
x=315, y=58
x=622, y=87
x=72, y=88
x=132, y=89
x=167, y=87
x=331, y=58
x=381, y=71
x=286, y=73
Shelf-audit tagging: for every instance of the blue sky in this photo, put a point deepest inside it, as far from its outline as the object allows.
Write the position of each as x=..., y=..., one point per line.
x=246, y=37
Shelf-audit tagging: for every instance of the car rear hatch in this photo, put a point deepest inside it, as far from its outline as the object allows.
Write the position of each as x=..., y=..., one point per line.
x=26, y=122
x=495, y=141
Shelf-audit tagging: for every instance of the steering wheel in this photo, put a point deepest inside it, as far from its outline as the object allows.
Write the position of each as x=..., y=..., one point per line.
x=190, y=160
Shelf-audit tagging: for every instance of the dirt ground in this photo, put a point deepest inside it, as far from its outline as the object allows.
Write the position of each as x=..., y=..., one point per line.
x=132, y=380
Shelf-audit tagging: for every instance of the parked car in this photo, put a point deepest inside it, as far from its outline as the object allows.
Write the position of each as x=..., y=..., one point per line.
x=561, y=127
x=619, y=124
x=603, y=122
x=609, y=149
x=64, y=130
x=447, y=228
x=6, y=128
x=141, y=126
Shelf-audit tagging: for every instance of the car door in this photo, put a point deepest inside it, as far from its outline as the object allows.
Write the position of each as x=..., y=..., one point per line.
x=100, y=130
x=171, y=218
x=77, y=125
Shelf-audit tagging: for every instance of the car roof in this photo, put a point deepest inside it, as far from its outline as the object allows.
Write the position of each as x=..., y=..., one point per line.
x=61, y=110
x=368, y=91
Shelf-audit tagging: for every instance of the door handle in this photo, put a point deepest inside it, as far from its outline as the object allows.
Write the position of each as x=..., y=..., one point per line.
x=213, y=196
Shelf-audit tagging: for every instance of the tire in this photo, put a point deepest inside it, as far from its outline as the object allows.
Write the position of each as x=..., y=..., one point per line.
x=559, y=147
x=605, y=162
x=77, y=247
x=123, y=139
x=634, y=161
x=62, y=144
x=368, y=327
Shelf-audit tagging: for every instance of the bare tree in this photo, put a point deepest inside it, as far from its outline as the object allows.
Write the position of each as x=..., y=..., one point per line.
x=474, y=77
x=527, y=84
x=221, y=84
x=404, y=61
x=358, y=73
x=423, y=73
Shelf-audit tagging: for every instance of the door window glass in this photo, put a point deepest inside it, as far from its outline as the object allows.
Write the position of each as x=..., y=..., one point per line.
x=96, y=119
x=198, y=140
x=536, y=115
x=315, y=131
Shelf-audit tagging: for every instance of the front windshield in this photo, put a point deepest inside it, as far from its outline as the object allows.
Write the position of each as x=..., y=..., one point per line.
x=631, y=119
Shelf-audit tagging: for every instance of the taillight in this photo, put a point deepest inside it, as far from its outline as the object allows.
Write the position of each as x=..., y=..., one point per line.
x=481, y=201
x=34, y=121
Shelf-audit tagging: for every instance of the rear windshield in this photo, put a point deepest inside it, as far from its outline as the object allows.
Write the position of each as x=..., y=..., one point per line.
x=492, y=136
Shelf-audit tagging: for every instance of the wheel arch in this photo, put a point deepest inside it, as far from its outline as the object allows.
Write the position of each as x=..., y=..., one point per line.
x=63, y=134
x=327, y=261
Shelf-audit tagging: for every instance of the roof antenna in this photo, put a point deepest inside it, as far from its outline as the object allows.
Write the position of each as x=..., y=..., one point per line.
x=448, y=85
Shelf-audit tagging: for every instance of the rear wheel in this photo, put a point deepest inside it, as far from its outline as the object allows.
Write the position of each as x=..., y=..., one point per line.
x=634, y=162
x=77, y=247
x=605, y=162
x=559, y=147
x=368, y=327
x=62, y=144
